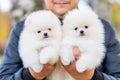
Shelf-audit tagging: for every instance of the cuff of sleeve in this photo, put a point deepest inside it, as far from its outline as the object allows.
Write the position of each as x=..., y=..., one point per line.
x=97, y=75
x=27, y=75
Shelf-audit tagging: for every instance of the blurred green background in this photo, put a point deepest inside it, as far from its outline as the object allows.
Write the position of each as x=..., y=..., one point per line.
x=11, y=11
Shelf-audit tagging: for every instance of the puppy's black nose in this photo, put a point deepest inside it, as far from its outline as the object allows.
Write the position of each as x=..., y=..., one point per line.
x=81, y=32
x=45, y=35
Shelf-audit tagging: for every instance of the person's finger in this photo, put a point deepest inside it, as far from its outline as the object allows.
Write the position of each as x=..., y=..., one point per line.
x=49, y=67
x=70, y=67
x=76, y=52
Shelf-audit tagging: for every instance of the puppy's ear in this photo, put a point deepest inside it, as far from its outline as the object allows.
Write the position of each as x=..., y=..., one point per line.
x=27, y=21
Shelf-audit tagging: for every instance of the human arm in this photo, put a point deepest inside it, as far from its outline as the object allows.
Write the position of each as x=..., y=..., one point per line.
x=71, y=69
x=11, y=67
x=111, y=64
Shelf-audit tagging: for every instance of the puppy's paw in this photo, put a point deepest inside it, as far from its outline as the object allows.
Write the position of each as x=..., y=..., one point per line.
x=44, y=59
x=37, y=68
x=66, y=57
x=80, y=67
x=65, y=61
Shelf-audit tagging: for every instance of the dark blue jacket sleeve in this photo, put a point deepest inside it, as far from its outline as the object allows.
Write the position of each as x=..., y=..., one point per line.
x=111, y=63
x=11, y=67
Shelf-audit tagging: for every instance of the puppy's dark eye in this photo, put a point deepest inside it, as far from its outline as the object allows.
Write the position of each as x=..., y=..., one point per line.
x=76, y=28
x=86, y=27
x=49, y=29
x=38, y=31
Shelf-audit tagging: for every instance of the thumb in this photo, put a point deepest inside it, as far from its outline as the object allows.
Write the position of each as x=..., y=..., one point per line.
x=76, y=52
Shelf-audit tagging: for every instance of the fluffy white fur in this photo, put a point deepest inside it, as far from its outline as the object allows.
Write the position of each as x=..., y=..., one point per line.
x=84, y=29
x=42, y=30
x=32, y=40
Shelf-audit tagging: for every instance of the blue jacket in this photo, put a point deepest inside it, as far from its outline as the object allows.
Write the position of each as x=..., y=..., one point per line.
x=12, y=68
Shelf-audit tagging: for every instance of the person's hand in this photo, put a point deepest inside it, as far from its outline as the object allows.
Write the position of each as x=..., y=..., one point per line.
x=71, y=69
x=47, y=69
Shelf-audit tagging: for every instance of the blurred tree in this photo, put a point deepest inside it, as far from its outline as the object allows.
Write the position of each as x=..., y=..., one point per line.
x=109, y=10
x=101, y=7
x=115, y=15
x=4, y=29
x=22, y=8
x=115, y=11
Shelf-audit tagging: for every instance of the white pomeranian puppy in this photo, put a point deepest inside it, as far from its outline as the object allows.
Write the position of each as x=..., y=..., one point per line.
x=39, y=40
x=84, y=29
